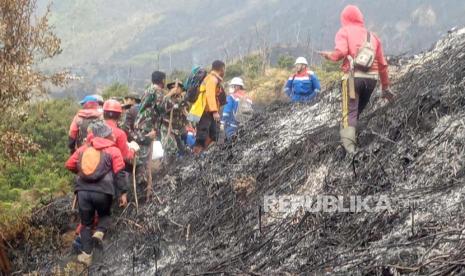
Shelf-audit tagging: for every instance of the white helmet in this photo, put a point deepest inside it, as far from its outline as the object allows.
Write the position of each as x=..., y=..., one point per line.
x=301, y=60
x=237, y=81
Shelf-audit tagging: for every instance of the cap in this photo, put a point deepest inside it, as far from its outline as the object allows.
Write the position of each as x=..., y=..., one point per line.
x=172, y=84
x=88, y=98
x=133, y=96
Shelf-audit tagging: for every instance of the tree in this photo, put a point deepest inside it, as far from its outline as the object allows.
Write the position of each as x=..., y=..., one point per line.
x=25, y=40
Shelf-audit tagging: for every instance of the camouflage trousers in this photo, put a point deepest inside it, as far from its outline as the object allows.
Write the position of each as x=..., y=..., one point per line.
x=144, y=157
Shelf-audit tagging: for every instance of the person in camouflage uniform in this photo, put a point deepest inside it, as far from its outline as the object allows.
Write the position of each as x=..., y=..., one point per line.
x=147, y=127
x=128, y=120
x=174, y=102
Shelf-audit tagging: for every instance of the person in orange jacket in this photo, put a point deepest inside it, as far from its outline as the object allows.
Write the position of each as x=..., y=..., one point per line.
x=215, y=98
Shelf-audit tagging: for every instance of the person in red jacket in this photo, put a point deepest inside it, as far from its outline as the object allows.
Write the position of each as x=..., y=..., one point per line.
x=112, y=111
x=99, y=167
x=78, y=128
x=349, y=39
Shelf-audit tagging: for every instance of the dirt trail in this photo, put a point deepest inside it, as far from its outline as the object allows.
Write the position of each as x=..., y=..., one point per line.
x=211, y=219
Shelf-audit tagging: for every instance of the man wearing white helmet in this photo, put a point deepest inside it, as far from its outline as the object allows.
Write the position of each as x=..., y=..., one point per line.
x=238, y=108
x=304, y=85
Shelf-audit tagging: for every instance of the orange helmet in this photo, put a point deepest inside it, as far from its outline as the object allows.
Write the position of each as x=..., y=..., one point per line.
x=113, y=106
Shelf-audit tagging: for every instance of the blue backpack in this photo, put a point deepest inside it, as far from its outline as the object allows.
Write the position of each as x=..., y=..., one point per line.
x=193, y=82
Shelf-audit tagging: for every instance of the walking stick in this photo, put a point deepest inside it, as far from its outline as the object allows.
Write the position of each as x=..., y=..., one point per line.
x=170, y=124
x=134, y=181
x=148, y=169
x=73, y=205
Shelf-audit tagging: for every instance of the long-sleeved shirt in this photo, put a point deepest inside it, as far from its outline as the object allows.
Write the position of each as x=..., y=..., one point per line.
x=302, y=87
x=351, y=37
x=212, y=89
x=150, y=115
x=121, y=140
x=112, y=158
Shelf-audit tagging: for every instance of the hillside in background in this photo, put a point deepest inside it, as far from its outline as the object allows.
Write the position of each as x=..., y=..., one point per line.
x=124, y=40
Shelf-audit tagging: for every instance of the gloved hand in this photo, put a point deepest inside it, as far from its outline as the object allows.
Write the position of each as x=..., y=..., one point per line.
x=134, y=146
x=388, y=95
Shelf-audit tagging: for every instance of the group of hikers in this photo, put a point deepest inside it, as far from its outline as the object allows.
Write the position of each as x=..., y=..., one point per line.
x=110, y=139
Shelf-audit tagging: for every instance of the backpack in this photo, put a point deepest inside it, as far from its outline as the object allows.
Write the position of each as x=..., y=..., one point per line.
x=83, y=126
x=222, y=98
x=244, y=110
x=93, y=165
x=365, y=55
x=193, y=83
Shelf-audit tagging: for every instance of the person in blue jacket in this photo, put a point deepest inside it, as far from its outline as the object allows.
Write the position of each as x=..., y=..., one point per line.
x=232, y=117
x=304, y=85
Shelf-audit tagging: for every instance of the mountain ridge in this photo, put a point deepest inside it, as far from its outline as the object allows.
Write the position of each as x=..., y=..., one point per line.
x=104, y=40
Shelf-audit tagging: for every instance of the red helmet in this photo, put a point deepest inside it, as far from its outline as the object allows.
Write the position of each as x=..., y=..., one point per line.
x=113, y=106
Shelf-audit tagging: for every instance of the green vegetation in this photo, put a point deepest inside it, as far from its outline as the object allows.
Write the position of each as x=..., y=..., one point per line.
x=116, y=90
x=266, y=83
x=37, y=175
x=286, y=62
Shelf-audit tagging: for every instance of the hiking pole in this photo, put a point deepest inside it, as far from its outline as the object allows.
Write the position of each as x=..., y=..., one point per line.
x=148, y=171
x=170, y=124
x=73, y=205
x=134, y=161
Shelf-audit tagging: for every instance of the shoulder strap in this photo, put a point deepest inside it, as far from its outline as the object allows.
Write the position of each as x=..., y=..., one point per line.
x=292, y=81
x=368, y=37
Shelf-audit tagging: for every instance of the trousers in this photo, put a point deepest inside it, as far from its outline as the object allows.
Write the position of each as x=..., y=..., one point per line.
x=89, y=203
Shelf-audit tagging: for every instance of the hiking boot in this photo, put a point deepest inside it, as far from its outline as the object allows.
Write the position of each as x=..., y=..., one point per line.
x=85, y=258
x=348, y=139
x=98, y=238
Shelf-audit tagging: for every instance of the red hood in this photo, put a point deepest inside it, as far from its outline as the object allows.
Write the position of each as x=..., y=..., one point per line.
x=351, y=15
x=102, y=143
x=89, y=113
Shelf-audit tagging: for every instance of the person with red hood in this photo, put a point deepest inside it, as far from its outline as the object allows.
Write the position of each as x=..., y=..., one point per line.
x=78, y=129
x=99, y=166
x=351, y=40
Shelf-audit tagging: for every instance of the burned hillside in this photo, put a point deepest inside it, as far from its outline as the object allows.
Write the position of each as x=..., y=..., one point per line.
x=208, y=216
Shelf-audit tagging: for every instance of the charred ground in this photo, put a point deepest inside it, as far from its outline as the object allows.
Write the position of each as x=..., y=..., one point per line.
x=208, y=217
